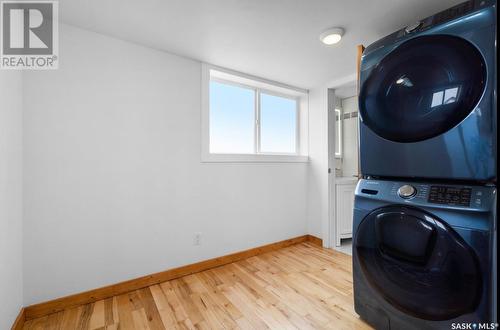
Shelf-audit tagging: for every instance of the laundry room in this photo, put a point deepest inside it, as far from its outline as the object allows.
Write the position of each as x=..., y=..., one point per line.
x=239, y=164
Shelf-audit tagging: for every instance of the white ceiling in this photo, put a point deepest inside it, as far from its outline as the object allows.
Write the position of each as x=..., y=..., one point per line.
x=274, y=39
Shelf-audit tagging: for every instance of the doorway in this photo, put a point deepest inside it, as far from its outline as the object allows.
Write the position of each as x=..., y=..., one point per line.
x=343, y=162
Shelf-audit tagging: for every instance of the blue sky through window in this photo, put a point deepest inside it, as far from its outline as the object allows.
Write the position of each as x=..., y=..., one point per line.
x=232, y=119
x=278, y=124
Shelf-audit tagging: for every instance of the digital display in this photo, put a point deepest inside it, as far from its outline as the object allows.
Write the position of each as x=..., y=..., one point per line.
x=450, y=195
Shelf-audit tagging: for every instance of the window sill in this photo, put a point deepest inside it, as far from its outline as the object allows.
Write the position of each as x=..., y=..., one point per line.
x=251, y=158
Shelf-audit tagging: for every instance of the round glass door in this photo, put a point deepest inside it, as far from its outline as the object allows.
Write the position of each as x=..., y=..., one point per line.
x=418, y=264
x=423, y=88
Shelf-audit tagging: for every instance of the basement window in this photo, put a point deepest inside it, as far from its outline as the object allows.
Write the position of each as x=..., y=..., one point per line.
x=248, y=119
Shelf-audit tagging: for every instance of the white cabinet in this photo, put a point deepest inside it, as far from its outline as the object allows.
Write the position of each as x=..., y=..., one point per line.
x=344, y=202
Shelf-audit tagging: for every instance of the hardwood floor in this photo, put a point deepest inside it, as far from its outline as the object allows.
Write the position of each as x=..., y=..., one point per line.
x=298, y=287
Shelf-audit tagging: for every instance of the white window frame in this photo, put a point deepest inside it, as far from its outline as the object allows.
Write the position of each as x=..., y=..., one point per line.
x=258, y=85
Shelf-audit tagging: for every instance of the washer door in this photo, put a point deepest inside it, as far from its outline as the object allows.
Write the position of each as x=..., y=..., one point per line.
x=423, y=88
x=417, y=263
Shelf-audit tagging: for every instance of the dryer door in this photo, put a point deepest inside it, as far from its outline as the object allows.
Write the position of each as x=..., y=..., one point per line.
x=423, y=88
x=417, y=263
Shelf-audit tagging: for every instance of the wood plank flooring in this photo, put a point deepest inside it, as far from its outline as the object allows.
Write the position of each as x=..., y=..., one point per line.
x=298, y=287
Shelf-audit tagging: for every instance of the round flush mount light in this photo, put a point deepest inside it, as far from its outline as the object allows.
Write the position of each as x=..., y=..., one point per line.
x=331, y=36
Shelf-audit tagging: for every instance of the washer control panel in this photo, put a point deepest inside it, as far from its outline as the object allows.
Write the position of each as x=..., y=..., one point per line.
x=407, y=191
x=450, y=195
x=473, y=197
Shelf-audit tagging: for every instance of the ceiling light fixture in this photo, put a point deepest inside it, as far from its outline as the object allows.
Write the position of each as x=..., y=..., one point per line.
x=331, y=36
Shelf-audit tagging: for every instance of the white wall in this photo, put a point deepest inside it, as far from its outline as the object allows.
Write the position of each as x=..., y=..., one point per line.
x=350, y=138
x=11, y=273
x=317, y=215
x=114, y=187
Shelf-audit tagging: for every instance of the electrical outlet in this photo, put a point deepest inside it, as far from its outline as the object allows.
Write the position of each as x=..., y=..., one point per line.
x=197, y=239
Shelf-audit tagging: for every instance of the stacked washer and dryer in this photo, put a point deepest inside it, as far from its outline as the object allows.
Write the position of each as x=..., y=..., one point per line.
x=424, y=244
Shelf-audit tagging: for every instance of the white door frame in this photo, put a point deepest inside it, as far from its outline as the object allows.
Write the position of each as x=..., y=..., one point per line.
x=332, y=225
x=331, y=104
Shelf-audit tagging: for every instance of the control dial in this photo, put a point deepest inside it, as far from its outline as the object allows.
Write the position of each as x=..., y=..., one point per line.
x=407, y=191
x=413, y=27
